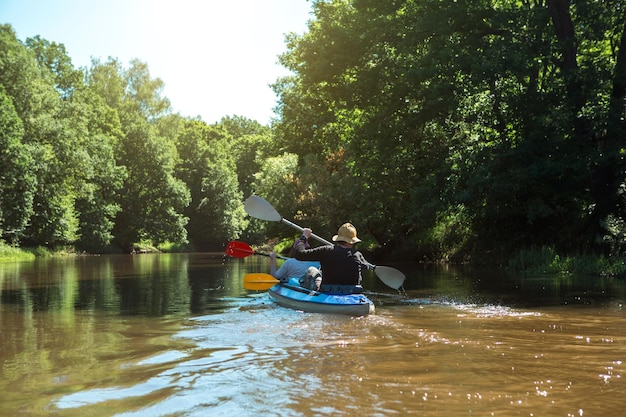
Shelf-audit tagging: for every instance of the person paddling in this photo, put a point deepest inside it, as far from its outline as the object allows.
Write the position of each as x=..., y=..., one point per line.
x=341, y=263
x=306, y=271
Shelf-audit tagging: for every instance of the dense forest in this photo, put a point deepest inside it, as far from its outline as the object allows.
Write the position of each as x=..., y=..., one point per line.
x=460, y=130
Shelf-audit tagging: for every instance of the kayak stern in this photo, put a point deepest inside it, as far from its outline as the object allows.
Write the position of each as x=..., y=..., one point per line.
x=299, y=298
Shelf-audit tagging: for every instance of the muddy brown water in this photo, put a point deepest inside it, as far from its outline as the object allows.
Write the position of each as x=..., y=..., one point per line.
x=178, y=335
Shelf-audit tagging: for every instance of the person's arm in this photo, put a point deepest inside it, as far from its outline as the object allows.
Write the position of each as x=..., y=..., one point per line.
x=285, y=271
x=273, y=265
x=313, y=254
x=300, y=247
x=364, y=263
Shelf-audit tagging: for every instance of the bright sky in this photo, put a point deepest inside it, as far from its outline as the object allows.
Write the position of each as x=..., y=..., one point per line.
x=216, y=57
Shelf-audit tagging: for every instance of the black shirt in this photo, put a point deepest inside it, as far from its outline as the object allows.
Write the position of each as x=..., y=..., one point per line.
x=340, y=266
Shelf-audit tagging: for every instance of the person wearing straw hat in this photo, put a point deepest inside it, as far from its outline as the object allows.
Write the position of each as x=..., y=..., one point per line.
x=341, y=263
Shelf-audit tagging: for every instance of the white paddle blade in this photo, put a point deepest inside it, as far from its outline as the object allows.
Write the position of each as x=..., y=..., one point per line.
x=391, y=277
x=260, y=209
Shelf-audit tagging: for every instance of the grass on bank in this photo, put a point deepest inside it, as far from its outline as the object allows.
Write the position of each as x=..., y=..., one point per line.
x=12, y=254
x=545, y=261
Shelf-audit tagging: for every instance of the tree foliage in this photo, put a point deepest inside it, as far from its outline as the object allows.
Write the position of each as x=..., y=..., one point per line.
x=95, y=159
x=17, y=180
x=459, y=130
x=505, y=116
x=207, y=168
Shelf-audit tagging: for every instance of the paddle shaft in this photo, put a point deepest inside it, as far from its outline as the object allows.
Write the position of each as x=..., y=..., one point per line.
x=268, y=255
x=301, y=229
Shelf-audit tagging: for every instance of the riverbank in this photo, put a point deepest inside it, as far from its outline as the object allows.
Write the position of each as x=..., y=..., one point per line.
x=14, y=254
x=534, y=261
x=546, y=261
x=10, y=253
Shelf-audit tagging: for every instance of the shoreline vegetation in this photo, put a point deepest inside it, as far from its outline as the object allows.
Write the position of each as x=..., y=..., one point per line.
x=546, y=261
x=10, y=253
x=14, y=254
x=459, y=144
x=534, y=262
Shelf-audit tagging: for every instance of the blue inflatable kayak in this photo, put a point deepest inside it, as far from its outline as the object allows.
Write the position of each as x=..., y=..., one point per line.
x=292, y=295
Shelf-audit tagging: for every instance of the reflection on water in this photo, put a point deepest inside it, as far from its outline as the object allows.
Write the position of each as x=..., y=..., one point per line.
x=152, y=285
x=165, y=335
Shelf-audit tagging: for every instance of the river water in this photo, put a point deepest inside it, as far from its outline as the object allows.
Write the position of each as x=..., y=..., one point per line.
x=178, y=335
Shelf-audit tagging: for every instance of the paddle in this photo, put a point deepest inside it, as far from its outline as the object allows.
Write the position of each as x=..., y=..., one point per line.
x=238, y=249
x=259, y=281
x=258, y=208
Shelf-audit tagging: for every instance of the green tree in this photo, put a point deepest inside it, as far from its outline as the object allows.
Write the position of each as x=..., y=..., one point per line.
x=250, y=144
x=50, y=139
x=207, y=167
x=17, y=181
x=489, y=113
x=98, y=202
x=95, y=128
x=54, y=57
x=152, y=200
x=276, y=183
x=143, y=93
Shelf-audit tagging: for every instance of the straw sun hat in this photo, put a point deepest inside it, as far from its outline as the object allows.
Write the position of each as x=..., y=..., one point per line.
x=346, y=233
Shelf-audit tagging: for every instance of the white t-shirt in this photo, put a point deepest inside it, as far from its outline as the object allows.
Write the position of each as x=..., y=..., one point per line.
x=293, y=268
